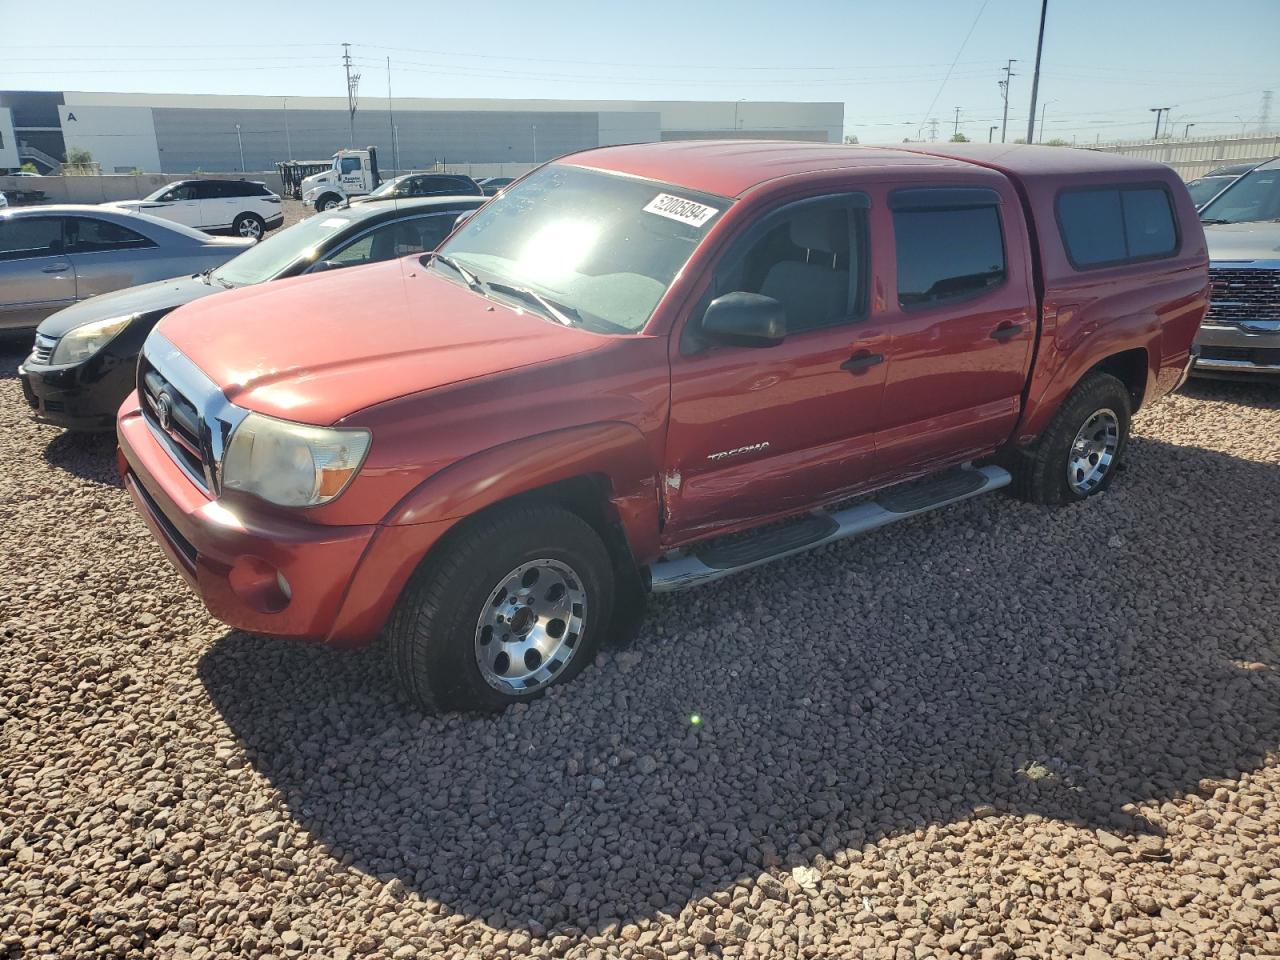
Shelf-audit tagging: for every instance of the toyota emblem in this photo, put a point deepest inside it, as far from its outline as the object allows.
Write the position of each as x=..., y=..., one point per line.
x=164, y=410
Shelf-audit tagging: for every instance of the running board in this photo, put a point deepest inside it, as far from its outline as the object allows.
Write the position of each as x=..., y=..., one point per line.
x=713, y=560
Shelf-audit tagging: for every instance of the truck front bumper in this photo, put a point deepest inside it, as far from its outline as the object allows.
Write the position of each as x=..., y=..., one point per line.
x=268, y=572
x=1234, y=349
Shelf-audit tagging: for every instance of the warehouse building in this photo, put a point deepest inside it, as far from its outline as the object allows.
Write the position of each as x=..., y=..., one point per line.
x=182, y=133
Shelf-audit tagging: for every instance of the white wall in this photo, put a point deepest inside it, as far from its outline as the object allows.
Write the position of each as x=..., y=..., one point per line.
x=123, y=137
x=8, y=141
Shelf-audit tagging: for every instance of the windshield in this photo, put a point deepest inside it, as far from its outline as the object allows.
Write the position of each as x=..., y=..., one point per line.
x=387, y=187
x=1206, y=188
x=603, y=245
x=1255, y=196
x=270, y=257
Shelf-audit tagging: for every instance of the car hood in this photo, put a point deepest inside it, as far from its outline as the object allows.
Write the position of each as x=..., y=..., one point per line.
x=315, y=349
x=155, y=297
x=1258, y=240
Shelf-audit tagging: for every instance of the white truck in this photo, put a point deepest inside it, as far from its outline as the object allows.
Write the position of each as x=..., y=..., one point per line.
x=354, y=173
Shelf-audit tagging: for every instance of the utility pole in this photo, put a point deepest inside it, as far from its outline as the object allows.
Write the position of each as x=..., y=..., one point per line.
x=1043, y=107
x=956, y=131
x=353, y=83
x=534, y=129
x=1004, y=91
x=241, y=144
x=288, y=141
x=1159, y=112
x=391, y=122
x=1035, y=77
x=991, y=133
x=1264, y=112
x=933, y=129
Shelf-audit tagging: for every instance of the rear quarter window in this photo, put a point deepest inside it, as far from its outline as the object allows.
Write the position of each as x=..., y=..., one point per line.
x=1108, y=226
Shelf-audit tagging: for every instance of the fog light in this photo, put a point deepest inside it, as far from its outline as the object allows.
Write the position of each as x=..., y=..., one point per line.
x=259, y=584
x=283, y=584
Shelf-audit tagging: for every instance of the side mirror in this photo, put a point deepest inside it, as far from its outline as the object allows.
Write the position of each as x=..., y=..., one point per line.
x=463, y=218
x=745, y=320
x=320, y=266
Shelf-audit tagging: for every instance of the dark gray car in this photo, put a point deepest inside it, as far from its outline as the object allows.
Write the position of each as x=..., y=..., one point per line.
x=54, y=256
x=1241, y=332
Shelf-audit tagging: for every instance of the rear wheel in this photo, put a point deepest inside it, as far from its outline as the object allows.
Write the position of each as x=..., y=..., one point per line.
x=515, y=602
x=250, y=225
x=1079, y=453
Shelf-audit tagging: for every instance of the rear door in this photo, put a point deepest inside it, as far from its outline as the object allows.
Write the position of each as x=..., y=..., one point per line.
x=219, y=203
x=106, y=255
x=759, y=431
x=961, y=326
x=36, y=275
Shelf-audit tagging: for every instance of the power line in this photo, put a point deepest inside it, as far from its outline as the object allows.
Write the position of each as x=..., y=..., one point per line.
x=942, y=86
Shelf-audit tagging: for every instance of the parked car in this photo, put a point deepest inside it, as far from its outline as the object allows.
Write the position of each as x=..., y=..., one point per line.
x=424, y=185
x=635, y=353
x=245, y=207
x=54, y=256
x=492, y=185
x=1216, y=180
x=1241, y=332
x=82, y=366
x=1253, y=197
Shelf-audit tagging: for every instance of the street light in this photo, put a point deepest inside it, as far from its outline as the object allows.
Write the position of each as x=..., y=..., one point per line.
x=241, y=143
x=1242, y=124
x=991, y=133
x=735, y=114
x=1186, y=129
x=534, y=128
x=288, y=141
x=1042, y=109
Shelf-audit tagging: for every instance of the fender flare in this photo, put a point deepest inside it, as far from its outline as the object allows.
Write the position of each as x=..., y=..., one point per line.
x=614, y=451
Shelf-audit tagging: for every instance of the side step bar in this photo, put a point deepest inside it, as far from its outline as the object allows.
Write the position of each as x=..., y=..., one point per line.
x=713, y=560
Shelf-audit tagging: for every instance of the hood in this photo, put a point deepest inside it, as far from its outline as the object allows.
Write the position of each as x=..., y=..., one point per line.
x=317, y=348
x=315, y=179
x=146, y=298
x=1259, y=240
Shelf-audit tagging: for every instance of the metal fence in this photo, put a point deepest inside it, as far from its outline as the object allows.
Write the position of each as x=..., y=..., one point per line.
x=1195, y=156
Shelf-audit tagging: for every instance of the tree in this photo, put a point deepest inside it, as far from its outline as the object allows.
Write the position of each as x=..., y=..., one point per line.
x=850, y=139
x=959, y=138
x=1020, y=140
x=29, y=167
x=79, y=156
x=1056, y=142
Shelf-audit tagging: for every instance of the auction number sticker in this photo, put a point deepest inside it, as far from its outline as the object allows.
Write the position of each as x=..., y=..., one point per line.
x=680, y=209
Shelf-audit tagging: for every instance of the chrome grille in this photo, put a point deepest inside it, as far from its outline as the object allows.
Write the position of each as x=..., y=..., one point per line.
x=1241, y=294
x=174, y=416
x=42, y=351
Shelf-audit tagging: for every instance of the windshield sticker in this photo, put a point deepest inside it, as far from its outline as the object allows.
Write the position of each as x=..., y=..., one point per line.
x=680, y=209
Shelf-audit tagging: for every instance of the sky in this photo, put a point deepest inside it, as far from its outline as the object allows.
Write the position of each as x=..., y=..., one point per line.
x=895, y=65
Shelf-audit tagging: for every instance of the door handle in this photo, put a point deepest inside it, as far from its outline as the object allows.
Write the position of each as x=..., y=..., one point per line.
x=1006, y=331
x=57, y=268
x=862, y=360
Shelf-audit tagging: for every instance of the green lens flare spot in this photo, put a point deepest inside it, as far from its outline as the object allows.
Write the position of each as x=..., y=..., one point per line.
x=695, y=719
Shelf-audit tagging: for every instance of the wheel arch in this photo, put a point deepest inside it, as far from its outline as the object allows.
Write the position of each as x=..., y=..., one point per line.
x=1132, y=368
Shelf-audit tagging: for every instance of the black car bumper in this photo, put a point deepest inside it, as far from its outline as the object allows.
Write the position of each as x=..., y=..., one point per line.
x=85, y=396
x=1234, y=349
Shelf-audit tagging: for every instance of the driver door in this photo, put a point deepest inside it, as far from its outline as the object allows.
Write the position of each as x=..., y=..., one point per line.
x=179, y=204
x=760, y=431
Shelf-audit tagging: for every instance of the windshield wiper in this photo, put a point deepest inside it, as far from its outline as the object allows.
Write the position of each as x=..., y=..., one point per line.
x=559, y=312
x=471, y=279
x=1212, y=220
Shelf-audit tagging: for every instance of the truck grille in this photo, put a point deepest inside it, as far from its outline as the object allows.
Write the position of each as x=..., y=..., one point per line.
x=175, y=417
x=1237, y=295
x=42, y=351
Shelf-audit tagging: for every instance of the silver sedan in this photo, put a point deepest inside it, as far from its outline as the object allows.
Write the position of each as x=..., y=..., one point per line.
x=54, y=256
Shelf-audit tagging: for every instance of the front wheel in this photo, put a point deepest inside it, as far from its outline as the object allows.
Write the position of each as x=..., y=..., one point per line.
x=250, y=225
x=515, y=602
x=1079, y=453
x=330, y=201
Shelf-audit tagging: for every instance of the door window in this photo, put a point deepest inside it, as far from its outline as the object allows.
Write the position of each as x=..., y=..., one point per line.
x=810, y=260
x=350, y=165
x=184, y=191
x=397, y=239
x=22, y=238
x=87, y=235
x=947, y=252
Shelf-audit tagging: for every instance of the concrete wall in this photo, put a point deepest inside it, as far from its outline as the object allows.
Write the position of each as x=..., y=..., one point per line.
x=8, y=142
x=109, y=187
x=1196, y=156
x=121, y=139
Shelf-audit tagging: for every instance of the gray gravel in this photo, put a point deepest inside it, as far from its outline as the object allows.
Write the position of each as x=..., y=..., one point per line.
x=999, y=731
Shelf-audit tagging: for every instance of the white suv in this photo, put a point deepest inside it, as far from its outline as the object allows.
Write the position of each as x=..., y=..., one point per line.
x=245, y=207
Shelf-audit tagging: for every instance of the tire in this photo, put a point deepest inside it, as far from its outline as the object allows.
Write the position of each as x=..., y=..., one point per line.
x=436, y=635
x=328, y=201
x=1056, y=471
x=249, y=225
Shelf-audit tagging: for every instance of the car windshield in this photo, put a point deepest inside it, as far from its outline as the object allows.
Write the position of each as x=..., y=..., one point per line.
x=387, y=188
x=270, y=257
x=1255, y=196
x=1206, y=188
x=602, y=245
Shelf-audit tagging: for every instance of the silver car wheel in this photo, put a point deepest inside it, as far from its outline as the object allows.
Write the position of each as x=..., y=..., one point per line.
x=330, y=204
x=530, y=627
x=251, y=227
x=1093, y=452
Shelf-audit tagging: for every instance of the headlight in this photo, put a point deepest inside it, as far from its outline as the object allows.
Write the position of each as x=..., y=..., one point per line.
x=292, y=464
x=83, y=342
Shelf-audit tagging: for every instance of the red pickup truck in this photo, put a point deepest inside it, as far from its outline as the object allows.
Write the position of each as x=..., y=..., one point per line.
x=648, y=367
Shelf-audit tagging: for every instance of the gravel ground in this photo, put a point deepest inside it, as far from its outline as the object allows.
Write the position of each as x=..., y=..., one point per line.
x=997, y=731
